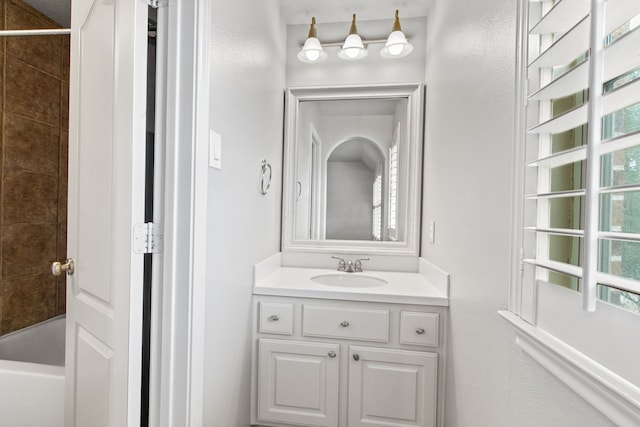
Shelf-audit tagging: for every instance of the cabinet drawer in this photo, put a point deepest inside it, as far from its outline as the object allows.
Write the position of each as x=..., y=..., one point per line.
x=419, y=328
x=276, y=318
x=345, y=322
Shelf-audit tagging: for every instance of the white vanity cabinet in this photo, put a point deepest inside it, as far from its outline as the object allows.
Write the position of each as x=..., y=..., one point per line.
x=389, y=387
x=298, y=382
x=336, y=363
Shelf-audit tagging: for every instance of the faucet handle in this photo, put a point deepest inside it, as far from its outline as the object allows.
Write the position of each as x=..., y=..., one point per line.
x=357, y=265
x=341, y=264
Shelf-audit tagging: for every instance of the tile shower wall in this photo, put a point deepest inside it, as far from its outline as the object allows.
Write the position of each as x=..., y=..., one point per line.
x=34, y=82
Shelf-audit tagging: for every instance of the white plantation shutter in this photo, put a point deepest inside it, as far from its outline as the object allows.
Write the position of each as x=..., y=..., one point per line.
x=376, y=231
x=392, y=222
x=583, y=76
x=575, y=304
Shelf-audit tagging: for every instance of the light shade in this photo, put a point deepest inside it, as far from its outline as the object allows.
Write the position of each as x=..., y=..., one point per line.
x=397, y=45
x=353, y=48
x=312, y=51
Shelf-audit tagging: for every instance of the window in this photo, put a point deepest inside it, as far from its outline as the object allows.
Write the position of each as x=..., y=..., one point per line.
x=376, y=231
x=393, y=185
x=577, y=281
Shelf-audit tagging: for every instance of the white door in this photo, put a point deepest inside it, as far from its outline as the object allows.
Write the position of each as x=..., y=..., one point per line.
x=298, y=382
x=393, y=388
x=106, y=193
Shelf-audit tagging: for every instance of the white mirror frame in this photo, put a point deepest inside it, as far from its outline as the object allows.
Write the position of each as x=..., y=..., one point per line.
x=413, y=92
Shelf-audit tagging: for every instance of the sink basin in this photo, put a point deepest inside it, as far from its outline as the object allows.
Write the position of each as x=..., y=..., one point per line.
x=355, y=280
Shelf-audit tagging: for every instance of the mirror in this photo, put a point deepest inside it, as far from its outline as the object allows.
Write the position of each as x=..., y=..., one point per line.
x=353, y=159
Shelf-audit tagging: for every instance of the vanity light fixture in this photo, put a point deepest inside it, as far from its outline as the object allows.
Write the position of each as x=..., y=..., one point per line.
x=312, y=51
x=397, y=45
x=354, y=47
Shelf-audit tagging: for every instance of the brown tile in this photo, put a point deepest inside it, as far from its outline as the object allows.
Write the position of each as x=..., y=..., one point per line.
x=64, y=105
x=61, y=295
x=31, y=93
x=62, y=242
x=2, y=73
x=16, y=10
x=29, y=197
x=66, y=57
x=2, y=7
x=28, y=249
x=61, y=281
x=31, y=145
x=63, y=180
x=43, y=52
x=27, y=300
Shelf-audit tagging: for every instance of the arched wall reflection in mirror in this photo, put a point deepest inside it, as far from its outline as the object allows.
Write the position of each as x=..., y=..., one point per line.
x=352, y=169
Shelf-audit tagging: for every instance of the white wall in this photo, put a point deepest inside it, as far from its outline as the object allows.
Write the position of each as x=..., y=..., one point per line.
x=467, y=187
x=247, y=94
x=349, y=200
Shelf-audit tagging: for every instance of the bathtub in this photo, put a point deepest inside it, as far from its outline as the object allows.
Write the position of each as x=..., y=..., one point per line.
x=32, y=375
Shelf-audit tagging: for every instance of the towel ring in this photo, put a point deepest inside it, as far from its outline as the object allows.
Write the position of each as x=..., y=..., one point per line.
x=265, y=177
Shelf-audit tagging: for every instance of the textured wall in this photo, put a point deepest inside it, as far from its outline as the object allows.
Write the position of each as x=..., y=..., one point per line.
x=247, y=96
x=349, y=200
x=468, y=169
x=34, y=92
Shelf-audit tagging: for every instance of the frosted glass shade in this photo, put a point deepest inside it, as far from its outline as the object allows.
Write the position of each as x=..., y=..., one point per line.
x=312, y=51
x=353, y=48
x=397, y=46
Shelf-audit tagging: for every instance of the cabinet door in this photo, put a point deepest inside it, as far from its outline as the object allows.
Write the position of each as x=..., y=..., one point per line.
x=298, y=382
x=392, y=387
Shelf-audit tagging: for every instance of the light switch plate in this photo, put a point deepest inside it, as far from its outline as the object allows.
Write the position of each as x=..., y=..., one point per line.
x=432, y=231
x=215, y=150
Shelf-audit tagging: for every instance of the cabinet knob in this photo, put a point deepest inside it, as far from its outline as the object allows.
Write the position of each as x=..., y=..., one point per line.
x=344, y=324
x=356, y=357
x=419, y=331
x=332, y=354
x=274, y=318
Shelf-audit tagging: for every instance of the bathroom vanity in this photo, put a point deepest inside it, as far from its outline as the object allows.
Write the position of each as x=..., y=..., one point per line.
x=354, y=352
x=358, y=341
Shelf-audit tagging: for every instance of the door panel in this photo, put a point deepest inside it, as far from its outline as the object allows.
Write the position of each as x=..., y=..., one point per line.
x=92, y=379
x=106, y=199
x=95, y=155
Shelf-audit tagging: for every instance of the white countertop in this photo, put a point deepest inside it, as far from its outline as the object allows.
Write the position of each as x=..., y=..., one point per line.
x=402, y=288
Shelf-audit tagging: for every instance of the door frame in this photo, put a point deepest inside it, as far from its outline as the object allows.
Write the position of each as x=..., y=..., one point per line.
x=179, y=359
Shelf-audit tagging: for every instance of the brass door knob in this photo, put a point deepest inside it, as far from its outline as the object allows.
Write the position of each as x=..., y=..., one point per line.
x=57, y=268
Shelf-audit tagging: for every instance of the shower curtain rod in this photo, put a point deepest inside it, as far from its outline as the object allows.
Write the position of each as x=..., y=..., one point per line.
x=51, y=32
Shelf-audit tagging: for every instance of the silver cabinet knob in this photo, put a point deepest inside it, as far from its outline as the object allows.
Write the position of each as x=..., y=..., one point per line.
x=274, y=317
x=356, y=357
x=57, y=268
x=419, y=331
x=332, y=354
x=344, y=324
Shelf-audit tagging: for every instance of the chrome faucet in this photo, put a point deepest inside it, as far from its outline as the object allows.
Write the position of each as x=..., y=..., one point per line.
x=342, y=265
x=358, y=264
x=350, y=266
